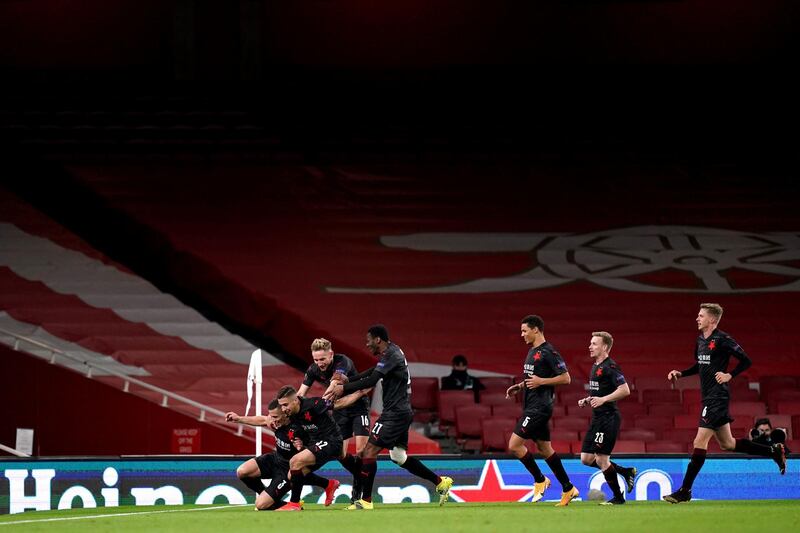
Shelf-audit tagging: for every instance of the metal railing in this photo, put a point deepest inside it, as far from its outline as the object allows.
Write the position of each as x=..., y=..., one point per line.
x=127, y=380
x=12, y=451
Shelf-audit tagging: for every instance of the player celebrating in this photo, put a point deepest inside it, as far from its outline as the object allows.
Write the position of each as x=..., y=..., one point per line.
x=712, y=353
x=353, y=420
x=324, y=442
x=544, y=369
x=390, y=431
x=606, y=386
x=289, y=440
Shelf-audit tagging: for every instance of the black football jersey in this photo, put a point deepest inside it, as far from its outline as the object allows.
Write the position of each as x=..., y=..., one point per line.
x=314, y=418
x=543, y=361
x=284, y=435
x=396, y=380
x=713, y=355
x=341, y=364
x=604, y=379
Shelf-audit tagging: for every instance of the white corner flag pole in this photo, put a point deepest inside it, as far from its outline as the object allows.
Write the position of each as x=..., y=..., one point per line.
x=254, y=380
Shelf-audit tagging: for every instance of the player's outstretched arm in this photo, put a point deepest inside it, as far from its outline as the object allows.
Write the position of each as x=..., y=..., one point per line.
x=303, y=390
x=350, y=399
x=249, y=420
x=674, y=375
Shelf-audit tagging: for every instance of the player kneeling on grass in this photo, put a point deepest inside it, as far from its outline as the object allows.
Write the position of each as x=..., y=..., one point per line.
x=324, y=438
x=290, y=439
x=606, y=386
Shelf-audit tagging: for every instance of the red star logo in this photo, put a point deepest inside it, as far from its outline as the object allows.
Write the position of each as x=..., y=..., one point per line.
x=712, y=345
x=599, y=372
x=490, y=488
x=307, y=416
x=291, y=434
x=537, y=356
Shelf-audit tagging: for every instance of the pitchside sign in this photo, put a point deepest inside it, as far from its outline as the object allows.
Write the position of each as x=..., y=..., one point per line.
x=28, y=485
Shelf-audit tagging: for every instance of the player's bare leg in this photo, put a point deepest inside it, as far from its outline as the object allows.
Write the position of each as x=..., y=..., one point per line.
x=250, y=474
x=627, y=473
x=568, y=491
x=516, y=445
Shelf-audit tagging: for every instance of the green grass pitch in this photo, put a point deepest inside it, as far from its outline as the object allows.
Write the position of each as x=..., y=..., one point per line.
x=725, y=516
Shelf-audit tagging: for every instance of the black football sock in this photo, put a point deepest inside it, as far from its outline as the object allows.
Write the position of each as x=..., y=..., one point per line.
x=695, y=464
x=610, y=474
x=315, y=481
x=416, y=467
x=554, y=462
x=752, y=448
x=369, y=467
x=352, y=463
x=297, y=485
x=532, y=467
x=253, y=483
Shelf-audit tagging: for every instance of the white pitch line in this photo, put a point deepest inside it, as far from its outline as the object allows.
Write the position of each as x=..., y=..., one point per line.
x=117, y=514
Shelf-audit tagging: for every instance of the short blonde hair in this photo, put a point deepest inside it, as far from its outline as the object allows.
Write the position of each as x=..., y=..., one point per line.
x=608, y=340
x=320, y=344
x=714, y=310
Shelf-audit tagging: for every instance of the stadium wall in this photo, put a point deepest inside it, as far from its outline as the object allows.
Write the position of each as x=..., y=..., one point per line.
x=73, y=415
x=103, y=482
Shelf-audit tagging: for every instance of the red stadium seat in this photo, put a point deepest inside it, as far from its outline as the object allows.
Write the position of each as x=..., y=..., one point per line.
x=424, y=393
x=784, y=402
x=747, y=409
x=793, y=445
x=564, y=434
x=767, y=383
x=637, y=434
x=738, y=384
x=511, y=410
x=561, y=447
x=653, y=423
x=789, y=407
x=449, y=400
x=569, y=398
x=580, y=412
x=468, y=419
x=686, y=421
x=496, y=384
x=689, y=396
x=495, y=432
x=746, y=395
x=570, y=423
x=652, y=382
x=666, y=447
x=664, y=409
x=494, y=398
x=680, y=435
x=648, y=396
x=630, y=408
x=629, y=446
x=688, y=384
x=424, y=398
